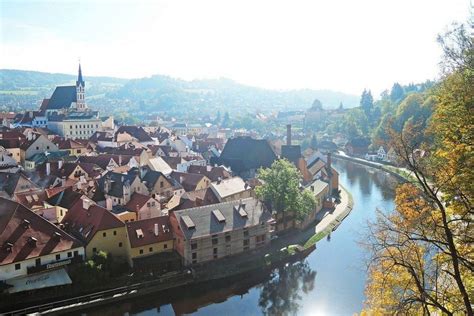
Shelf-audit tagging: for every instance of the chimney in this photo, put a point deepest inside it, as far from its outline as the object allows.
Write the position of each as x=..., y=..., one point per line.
x=60, y=164
x=48, y=168
x=208, y=168
x=86, y=203
x=156, y=229
x=29, y=136
x=181, y=179
x=108, y=204
x=120, y=160
x=288, y=135
x=328, y=162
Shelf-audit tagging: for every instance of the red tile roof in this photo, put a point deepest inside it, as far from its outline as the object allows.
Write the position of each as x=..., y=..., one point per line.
x=137, y=199
x=15, y=231
x=147, y=227
x=85, y=223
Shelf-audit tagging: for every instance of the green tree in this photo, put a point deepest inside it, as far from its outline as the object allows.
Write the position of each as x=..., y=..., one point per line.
x=281, y=189
x=396, y=94
x=367, y=102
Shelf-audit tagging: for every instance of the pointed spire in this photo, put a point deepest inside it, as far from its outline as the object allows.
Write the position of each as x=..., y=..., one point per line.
x=80, y=81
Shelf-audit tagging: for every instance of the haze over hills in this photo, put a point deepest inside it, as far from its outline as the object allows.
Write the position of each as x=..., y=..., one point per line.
x=21, y=89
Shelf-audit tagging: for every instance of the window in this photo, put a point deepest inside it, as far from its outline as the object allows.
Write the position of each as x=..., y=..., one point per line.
x=227, y=238
x=58, y=257
x=246, y=233
x=38, y=262
x=141, y=251
x=37, y=148
x=76, y=253
x=148, y=204
x=104, y=234
x=165, y=246
x=150, y=249
x=246, y=242
x=194, y=245
x=115, y=233
x=161, y=184
x=120, y=244
x=94, y=250
x=194, y=255
x=215, y=253
x=18, y=266
x=215, y=240
x=47, y=147
x=78, y=151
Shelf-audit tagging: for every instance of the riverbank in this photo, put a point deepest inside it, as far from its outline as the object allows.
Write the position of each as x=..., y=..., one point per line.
x=292, y=246
x=402, y=174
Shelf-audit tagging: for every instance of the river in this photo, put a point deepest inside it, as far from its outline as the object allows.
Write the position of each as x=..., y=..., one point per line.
x=330, y=281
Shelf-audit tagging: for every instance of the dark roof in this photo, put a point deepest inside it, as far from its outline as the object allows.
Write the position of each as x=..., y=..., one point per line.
x=117, y=182
x=15, y=231
x=65, y=199
x=197, y=198
x=147, y=234
x=137, y=199
x=213, y=173
x=245, y=153
x=9, y=182
x=62, y=98
x=206, y=224
x=291, y=152
x=135, y=131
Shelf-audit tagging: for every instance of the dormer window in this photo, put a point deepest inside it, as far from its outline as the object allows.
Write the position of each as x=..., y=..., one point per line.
x=32, y=241
x=26, y=223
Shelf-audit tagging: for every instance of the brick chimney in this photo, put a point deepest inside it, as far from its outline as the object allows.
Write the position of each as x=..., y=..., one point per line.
x=288, y=135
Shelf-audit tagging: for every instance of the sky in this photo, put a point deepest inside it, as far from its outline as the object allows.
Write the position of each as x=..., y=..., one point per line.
x=341, y=45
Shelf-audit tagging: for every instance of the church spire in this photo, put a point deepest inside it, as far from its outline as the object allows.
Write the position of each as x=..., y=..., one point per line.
x=80, y=81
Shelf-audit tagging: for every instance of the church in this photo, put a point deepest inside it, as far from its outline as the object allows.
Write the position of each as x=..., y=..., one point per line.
x=67, y=111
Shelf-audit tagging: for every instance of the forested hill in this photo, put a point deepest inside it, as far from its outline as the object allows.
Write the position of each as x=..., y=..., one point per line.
x=23, y=89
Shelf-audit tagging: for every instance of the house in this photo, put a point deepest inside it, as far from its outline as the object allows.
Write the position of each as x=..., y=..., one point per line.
x=381, y=154
x=7, y=118
x=132, y=133
x=158, y=164
x=231, y=189
x=98, y=228
x=392, y=156
x=148, y=239
x=357, y=147
x=36, y=144
x=12, y=184
x=191, y=199
x=213, y=173
x=220, y=230
x=144, y=206
x=33, y=249
x=191, y=181
x=7, y=162
x=31, y=119
x=245, y=155
x=61, y=200
x=75, y=148
x=13, y=147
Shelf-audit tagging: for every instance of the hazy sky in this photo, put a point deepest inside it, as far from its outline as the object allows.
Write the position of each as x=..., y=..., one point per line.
x=343, y=45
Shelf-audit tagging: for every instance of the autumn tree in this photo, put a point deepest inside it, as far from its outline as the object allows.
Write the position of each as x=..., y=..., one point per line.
x=422, y=253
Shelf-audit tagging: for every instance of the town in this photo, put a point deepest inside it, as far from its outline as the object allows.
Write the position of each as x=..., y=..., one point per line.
x=76, y=187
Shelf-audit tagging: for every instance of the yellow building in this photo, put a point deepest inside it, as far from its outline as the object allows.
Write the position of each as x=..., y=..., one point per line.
x=148, y=237
x=100, y=229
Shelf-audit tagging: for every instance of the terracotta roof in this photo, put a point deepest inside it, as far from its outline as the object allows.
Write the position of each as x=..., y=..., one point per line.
x=31, y=199
x=189, y=181
x=85, y=223
x=142, y=233
x=137, y=199
x=68, y=144
x=17, y=232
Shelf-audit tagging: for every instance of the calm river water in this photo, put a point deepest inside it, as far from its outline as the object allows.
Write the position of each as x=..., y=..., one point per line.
x=330, y=281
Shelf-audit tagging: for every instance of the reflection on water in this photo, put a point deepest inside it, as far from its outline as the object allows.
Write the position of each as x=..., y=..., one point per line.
x=336, y=289
x=281, y=295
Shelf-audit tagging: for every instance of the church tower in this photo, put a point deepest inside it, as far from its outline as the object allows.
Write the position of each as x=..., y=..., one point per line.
x=80, y=92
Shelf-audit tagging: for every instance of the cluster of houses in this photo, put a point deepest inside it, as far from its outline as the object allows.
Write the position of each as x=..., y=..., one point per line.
x=156, y=197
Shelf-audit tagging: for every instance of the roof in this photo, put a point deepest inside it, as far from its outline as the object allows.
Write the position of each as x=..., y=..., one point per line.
x=196, y=198
x=65, y=198
x=137, y=199
x=318, y=186
x=62, y=98
x=158, y=164
x=142, y=232
x=189, y=181
x=291, y=152
x=85, y=223
x=116, y=182
x=228, y=187
x=17, y=232
x=102, y=160
x=244, y=153
x=68, y=144
x=213, y=173
x=205, y=223
x=135, y=131
x=9, y=182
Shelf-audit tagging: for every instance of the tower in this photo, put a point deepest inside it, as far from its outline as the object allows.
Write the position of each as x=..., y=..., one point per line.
x=80, y=91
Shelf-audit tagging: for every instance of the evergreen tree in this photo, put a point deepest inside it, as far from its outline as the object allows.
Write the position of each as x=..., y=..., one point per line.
x=314, y=142
x=367, y=102
x=397, y=92
x=341, y=106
